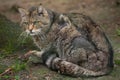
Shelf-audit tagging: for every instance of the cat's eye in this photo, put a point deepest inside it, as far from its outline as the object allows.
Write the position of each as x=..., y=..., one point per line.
x=35, y=22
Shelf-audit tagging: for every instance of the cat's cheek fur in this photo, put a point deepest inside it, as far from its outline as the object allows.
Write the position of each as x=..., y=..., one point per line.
x=27, y=31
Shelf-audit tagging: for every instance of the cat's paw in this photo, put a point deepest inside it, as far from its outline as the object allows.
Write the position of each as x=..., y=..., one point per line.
x=26, y=56
x=29, y=53
x=34, y=56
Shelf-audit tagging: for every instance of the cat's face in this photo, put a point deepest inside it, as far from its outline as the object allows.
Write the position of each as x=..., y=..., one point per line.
x=34, y=21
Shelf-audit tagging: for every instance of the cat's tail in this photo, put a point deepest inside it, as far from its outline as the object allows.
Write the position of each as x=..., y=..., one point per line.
x=70, y=69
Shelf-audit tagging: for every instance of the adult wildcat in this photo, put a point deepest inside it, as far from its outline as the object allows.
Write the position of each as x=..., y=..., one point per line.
x=69, y=43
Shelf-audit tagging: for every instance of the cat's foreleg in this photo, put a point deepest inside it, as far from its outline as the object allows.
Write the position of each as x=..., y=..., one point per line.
x=35, y=56
x=35, y=53
x=31, y=54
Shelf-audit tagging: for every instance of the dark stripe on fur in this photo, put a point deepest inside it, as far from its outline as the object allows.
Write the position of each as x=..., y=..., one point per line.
x=47, y=54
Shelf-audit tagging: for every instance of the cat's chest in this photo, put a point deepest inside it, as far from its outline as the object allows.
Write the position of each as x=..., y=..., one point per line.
x=41, y=44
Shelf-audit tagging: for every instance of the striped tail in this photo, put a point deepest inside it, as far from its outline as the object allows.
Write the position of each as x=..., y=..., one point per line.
x=68, y=68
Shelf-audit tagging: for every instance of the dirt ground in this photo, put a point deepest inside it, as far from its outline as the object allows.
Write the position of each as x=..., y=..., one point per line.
x=106, y=13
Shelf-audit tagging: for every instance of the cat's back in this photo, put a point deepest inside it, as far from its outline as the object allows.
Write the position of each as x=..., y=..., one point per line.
x=79, y=19
x=93, y=32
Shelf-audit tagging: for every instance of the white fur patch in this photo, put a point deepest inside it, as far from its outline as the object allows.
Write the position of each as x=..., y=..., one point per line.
x=39, y=54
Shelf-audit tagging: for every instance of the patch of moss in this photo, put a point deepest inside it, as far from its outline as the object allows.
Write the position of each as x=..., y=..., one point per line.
x=9, y=37
x=9, y=33
x=117, y=62
x=118, y=32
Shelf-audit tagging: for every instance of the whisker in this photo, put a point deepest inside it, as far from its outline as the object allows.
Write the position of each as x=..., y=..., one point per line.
x=41, y=37
x=22, y=37
x=44, y=36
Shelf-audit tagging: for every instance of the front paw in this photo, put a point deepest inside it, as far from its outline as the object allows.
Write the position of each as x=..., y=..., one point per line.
x=26, y=56
x=29, y=53
x=35, y=56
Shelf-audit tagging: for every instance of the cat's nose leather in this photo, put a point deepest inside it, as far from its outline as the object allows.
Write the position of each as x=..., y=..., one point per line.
x=31, y=28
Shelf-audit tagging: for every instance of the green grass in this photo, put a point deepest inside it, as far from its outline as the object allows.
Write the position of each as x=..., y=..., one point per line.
x=2, y=68
x=18, y=66
x=9, y=34
x=117, y=62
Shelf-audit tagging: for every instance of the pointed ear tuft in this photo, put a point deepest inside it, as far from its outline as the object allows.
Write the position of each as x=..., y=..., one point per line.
x=63, y=21
x=22, y=11
x=64, y=18
x=42, y=10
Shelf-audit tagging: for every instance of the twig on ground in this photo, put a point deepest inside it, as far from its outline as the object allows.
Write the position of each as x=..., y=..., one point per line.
x=6, y=71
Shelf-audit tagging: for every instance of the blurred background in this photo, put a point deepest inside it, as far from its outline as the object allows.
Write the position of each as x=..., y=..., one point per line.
x=105, y=13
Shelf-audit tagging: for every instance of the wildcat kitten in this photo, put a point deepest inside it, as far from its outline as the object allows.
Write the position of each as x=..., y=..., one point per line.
x=69, y=43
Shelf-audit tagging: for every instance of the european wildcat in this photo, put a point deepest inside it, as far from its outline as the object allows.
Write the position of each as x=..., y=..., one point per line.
x=69, y=43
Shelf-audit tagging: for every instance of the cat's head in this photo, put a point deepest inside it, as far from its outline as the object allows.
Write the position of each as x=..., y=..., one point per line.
x=35, y=20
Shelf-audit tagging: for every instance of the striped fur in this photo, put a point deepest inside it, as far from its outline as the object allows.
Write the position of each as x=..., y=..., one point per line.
x=71, y=44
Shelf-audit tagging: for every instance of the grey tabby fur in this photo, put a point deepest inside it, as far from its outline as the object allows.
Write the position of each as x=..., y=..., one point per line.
x=70, y=43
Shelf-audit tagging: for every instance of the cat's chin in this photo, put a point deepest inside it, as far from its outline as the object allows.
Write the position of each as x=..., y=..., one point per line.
x=32, y=34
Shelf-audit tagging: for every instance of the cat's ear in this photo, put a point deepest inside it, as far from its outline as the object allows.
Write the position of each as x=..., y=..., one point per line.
x=23, y=12
x=42, y=10
x=64, y=21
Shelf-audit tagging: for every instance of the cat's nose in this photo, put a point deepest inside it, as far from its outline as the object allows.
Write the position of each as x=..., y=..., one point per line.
x=31, y=28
